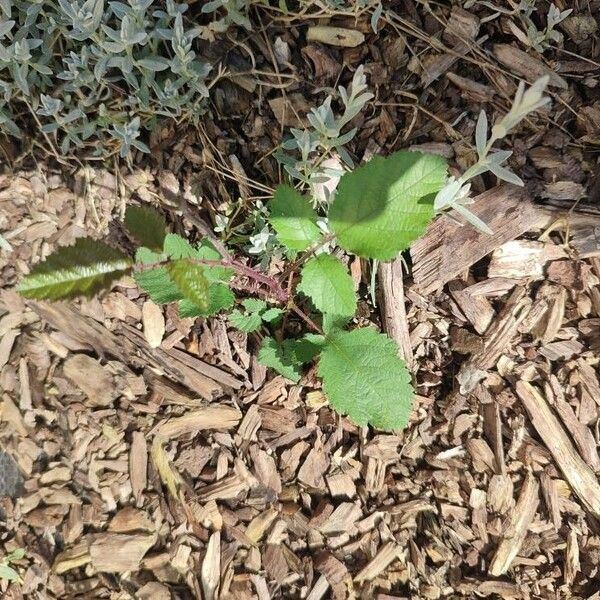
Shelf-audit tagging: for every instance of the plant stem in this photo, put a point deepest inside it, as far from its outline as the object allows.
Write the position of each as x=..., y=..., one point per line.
x=306, y=255
x=306, y=319
x=274, y=287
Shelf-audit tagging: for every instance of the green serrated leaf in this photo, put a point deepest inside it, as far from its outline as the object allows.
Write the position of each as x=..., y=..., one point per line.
x=220, y=298
x=381, y=207
x=246, y=322
x=175, y=247
x=82, y=269
x=294, y=219
x=17, y=554
x=271, y=315
x=189, y=278
x=254, y=304
x=326, y=281
x=287, y=358
x=146, y=256
x=364, y=378
x=158, y=285
x=146, y=225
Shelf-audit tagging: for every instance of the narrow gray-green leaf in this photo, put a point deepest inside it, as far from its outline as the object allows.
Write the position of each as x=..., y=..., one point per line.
x=294, y=219
x=82, y=269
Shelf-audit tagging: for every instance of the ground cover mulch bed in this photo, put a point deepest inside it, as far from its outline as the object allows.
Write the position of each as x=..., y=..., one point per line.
x=152, y=457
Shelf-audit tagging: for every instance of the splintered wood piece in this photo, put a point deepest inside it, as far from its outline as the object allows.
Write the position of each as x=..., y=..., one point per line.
x=523, y=259
x=579, y=475
x=208, y=417
x=393, y=309
x=319, y=589
x=516, y=528
x=336, y=573
x=210, y=573
x=572, y=564
x=131, y=348
x=154, y=323
x=117, y=553
x=94, y=380
x=477, y=309
x=498, y=338
x=343, y=519
x=551, y=499
x=526, y=65
x=447, y=249
x=386, y=555
x=138, y=466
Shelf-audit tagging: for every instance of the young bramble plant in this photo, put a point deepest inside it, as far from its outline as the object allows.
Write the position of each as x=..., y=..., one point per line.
x=378, y=210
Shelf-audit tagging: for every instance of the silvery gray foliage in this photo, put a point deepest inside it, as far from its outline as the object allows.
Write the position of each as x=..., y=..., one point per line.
x=98, y=70
x=325, y=138
x=541, y=40
x=456, y=192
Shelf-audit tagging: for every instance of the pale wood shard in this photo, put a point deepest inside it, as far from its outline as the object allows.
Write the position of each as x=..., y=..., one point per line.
x=526, y=65
x=523, y=259
x=208, y=417
x=385, y=556
x=497, y=340
x=94, y=380
x=210, y=573
x=579, y=475
x=335, y=36
x=551, y=499
x=319, y=589
x=572, y=564
x=516, y=527
x=119, y=553
x=477, y=309
x=154, y=323
x=343, y=519
x=447, y=249
x=138, y=466
x=393, y=308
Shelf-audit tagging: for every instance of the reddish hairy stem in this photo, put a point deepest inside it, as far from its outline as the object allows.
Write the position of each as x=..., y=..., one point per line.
x=274, y=287
x=306, y=319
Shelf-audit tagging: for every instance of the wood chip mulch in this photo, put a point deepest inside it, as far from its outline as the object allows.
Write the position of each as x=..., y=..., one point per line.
x=161, y=461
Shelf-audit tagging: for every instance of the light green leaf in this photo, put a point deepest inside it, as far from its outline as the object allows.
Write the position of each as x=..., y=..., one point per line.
x=287, y=358
x=81, y=269
x=220, y=298
x=294, y=219
x=158, y=285
x=17, y=554
x=254, y=304
x=175, y=247
x=8, y=573
x=146, y=256
x=146, y=225
x=326, y=281
x=364, y=378
x=189, y=278
x=248, y=322
x=381, y=207
x=271, y=315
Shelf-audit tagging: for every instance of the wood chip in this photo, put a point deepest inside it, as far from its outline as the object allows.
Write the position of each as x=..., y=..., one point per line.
x=579, y=475
x=516, y=527
x=154, y=323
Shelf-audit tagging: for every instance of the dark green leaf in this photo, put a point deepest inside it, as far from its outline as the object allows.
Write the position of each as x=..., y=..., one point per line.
x=81, y=269
x=146, y=225
x=287, y=358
